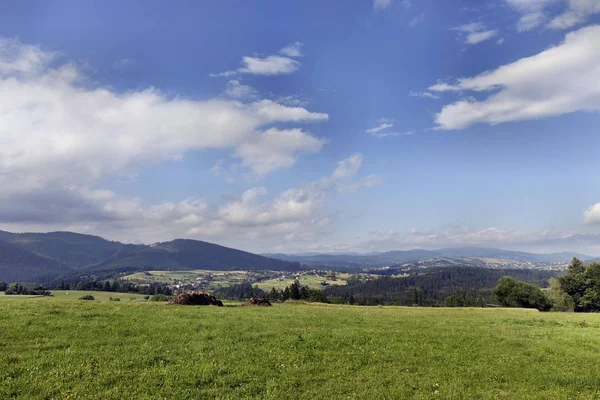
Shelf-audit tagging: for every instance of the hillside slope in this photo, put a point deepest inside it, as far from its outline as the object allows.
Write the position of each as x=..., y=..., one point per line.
x=185, y=254
x=18, y=264
x=72, y=249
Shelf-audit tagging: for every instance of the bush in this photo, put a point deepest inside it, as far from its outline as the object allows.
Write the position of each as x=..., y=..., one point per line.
x=3, y=286
x=114, y=299
x=87, y=297
x=159, y=297
x=511, y=292
x=16, y=289
x=146, y=297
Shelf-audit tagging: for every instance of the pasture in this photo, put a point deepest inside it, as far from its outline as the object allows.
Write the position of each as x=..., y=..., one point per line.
x=51, y=348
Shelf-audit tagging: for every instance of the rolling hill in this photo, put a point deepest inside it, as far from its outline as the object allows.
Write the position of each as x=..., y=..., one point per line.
x=185, y=254
x=18, y=264
x=48, y=256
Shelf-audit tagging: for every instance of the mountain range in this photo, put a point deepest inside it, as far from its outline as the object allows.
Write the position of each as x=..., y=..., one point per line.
x=40, y=257
x=43, y=257
x=400, y=256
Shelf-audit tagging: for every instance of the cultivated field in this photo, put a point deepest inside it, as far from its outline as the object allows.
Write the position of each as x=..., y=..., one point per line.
x=52, y=349
x=210, y=280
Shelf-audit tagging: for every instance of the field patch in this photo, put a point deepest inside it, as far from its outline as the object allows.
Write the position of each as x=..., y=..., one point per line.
x=52, y=348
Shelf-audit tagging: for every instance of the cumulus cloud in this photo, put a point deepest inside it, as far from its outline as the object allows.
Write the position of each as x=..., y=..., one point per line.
x=57, y=128
x=560, y=80
x=592, y=214
x=236, y=90
x=275, y=148
x=269, y=65
x=475, y=33
x=59, y=135
x=296, y=214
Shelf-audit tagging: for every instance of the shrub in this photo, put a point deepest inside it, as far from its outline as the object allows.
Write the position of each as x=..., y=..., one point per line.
x=511, y=292
x=146, y=297
x=87, y=297
x=159, y=297
x=114, y=299
x=16, y=288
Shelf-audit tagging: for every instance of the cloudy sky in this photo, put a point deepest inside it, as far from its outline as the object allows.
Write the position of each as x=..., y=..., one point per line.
x=304, y=126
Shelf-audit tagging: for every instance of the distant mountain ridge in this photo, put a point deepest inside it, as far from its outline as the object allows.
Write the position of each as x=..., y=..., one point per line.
x=34, y=257
x=399, y=256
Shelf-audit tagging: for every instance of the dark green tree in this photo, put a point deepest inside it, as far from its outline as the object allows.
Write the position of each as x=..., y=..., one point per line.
x=3, y=286
x=295, y=291
x=511, y=292
x=454, y=301
x=107, y=287
x=582, y=286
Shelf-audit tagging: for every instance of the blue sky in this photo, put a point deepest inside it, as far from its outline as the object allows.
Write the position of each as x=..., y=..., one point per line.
x=304, y=126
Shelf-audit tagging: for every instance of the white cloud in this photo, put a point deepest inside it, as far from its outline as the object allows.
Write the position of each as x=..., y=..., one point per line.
x=57, y=131
x=536, y=12
x=476, y=33
x=560, y=80
x=292, y=50
x=122, y=63
x=274, y=149
x=592, y=214
x=380, y=128
x=406, y=4
x=532, y=12
x=418, y=19
x=381, y=4
x=349, y=167
x=426, y=95
x=296, y=214
x=578, y=11
x=269, y=65
x=236, y=90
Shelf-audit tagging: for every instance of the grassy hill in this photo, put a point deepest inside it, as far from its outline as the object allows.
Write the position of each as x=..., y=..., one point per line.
x=53, y=348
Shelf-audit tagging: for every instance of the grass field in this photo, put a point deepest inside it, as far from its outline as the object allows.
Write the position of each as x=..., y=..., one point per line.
x=56, y=349
x=70, y=295
x=305, y=279
x=192, y=277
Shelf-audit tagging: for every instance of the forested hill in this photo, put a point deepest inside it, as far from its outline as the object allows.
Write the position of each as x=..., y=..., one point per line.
x=35, y=257
x=432, y=285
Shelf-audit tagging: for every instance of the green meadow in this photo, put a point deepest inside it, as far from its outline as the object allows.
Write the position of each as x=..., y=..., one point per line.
x=63, y=348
